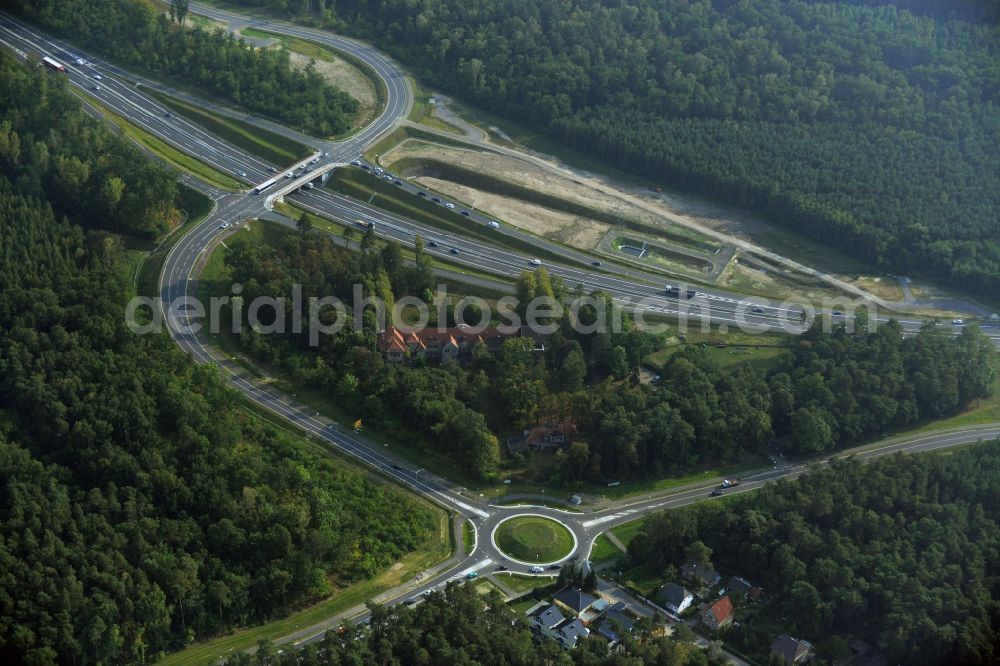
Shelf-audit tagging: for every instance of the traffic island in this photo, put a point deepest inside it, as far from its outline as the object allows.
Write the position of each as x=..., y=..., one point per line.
x=534, y=539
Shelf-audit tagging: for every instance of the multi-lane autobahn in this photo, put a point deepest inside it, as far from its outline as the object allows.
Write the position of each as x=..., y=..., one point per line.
x=116, y=90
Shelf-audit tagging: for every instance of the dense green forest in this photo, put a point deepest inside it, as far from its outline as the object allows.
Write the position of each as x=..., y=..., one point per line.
x=903, y=551
x=831, y=390
x=461, y=626
x=866, y=127
x=141, y=506
x=134, y=34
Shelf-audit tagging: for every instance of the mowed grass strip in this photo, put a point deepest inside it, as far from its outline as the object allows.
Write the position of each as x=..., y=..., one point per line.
x=534, y=539
x=267, y=145
x=365, y=187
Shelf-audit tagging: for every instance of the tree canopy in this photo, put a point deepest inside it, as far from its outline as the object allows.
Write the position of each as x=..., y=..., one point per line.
x=870, y=128
x=142, y=506
x=902, y=551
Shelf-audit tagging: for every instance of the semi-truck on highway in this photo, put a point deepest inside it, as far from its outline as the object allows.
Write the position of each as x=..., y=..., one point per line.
x=53, y=64
x=677, y=292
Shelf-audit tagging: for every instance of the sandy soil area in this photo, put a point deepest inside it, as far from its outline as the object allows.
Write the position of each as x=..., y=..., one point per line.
x=565, y=228
x=342, y=74
x=515, y=171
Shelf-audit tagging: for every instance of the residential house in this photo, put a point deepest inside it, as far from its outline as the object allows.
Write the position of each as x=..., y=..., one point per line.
x=792, y=650
x=569, y=633
x=616, y=623
x=573, y=600
x=542, y=438
x=739, y=586
x=547, y=619
x=675, y=598
x=719, y=614
x=701, y=574
x=439, y=344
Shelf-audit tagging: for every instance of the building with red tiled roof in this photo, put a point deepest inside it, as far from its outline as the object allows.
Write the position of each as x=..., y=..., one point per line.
x=719, y=614
x=450, y=344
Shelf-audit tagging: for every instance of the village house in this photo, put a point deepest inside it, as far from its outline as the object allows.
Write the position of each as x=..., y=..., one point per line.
x=450, y=344
x=719, y=614
x=701, y=574
x=542, y=438
x=792, y=650
x=675, y=598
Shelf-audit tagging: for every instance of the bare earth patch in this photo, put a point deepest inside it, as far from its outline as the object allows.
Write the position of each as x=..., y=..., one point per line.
x=522, y=173
x=564, y=228
x=343, y=75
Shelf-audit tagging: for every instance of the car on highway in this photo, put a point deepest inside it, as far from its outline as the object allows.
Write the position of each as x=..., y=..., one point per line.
x=454, y=250
x=366, y=167
x=471, y=575
x=95, y=87
x=449, y=205
x=717, y=493
x=465, y=213
x=596, y=263
x=387, y=177
x=223, y=225
x=501, y=568
x=432, y=243
x=289, y=174
x=555, y=566
x=326, y=154
x=436, y=199
x=397, y=182
x=758, y=311
x=98, y=77
x=243, y=174
x=410, y=601
x=421, y=194
x=958, y=322
x=494, y=224
x=356, y=162
x=271, y=169
x=167, y=114
x=397, y=466
x=536, y=569
x=536, y=262
x=837, y=313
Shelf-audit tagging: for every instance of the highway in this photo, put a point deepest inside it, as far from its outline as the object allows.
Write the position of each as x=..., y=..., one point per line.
x=178, y=282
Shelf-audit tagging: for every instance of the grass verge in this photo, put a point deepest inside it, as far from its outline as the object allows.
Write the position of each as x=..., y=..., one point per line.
x=364, y=187
x=604, y=551
x=168, y=153
x=267, y=145
x=469, y=537
x=405, y=132
x=520, y=584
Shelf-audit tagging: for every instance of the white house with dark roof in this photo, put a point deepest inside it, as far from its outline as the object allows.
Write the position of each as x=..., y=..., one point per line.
x=675, y=598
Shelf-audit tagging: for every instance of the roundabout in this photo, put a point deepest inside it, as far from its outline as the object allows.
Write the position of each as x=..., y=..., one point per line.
x=533, y=539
